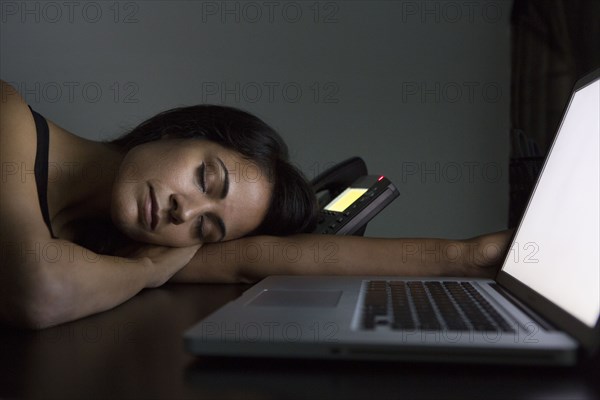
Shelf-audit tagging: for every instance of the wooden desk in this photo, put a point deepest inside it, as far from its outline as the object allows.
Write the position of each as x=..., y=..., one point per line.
x=136, y=351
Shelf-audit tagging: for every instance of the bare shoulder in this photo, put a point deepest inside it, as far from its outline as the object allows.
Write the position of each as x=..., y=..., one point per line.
x=17, y=127
x=20, y=215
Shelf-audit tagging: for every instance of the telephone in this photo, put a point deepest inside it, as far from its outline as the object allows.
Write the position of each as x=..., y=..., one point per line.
x=349, y=198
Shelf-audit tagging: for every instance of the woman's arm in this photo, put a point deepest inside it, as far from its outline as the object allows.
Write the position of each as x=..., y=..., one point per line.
x=46, y=281
x=253, y=258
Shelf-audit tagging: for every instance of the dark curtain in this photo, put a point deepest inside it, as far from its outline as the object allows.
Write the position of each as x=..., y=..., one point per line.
x=553, y=44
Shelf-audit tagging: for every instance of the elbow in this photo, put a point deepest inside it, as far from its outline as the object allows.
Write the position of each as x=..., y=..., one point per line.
x=45, y=303
x=28, y=317
x=35, y=304
x=35, y=315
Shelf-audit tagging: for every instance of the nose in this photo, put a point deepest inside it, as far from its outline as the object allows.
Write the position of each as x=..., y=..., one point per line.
x=183, y=209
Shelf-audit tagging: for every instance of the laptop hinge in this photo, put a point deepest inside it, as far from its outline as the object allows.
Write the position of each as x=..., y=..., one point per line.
x=523, y=308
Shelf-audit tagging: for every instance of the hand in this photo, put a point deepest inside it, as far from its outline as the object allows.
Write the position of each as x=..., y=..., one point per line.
x=487, y=253
x=163, y=262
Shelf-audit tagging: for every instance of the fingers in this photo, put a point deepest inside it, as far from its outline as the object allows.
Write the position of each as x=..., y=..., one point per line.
x=167, y=261
x=488, y=253
x=191, y=252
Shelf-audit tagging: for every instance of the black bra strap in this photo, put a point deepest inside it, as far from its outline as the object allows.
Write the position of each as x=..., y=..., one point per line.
x=41, y=165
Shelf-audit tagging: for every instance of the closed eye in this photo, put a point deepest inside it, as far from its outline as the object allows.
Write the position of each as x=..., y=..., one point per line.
x=202, y=177
x=202, y=184
x=200, y=228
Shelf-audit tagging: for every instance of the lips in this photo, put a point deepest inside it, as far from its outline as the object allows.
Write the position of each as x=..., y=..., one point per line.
x=146, y=212
x=149, y=211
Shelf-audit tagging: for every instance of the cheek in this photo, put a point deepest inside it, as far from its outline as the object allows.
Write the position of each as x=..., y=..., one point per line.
x=123, y=207
x=132, y=169
x=171, y=164
x=126, y=190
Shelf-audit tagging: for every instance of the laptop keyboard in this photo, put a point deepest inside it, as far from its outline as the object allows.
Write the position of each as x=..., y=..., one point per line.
x=430, y=305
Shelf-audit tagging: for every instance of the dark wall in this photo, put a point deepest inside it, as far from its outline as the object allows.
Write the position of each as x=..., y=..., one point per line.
x=419, y=89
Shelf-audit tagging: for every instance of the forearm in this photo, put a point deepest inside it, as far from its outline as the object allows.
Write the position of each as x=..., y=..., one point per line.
x=250, y=259
x=60, y=281
x=349, y=255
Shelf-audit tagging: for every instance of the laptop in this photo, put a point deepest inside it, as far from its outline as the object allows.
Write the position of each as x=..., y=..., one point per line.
x=543, y=306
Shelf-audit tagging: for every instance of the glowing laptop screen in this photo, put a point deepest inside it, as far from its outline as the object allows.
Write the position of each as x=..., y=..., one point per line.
x=555, y=251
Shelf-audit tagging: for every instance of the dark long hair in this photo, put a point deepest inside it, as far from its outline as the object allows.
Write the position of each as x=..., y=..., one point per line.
x=293, y=206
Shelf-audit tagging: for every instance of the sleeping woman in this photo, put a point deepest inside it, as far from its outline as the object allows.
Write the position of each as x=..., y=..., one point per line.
x=195, y=194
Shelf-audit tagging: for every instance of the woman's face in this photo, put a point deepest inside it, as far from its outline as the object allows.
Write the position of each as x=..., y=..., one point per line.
x=181, y=192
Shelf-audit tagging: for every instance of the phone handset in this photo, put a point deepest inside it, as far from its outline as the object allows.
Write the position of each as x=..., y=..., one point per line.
x=349, y=198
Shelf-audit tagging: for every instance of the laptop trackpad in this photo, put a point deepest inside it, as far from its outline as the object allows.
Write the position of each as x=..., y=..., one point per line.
x=297, y=298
